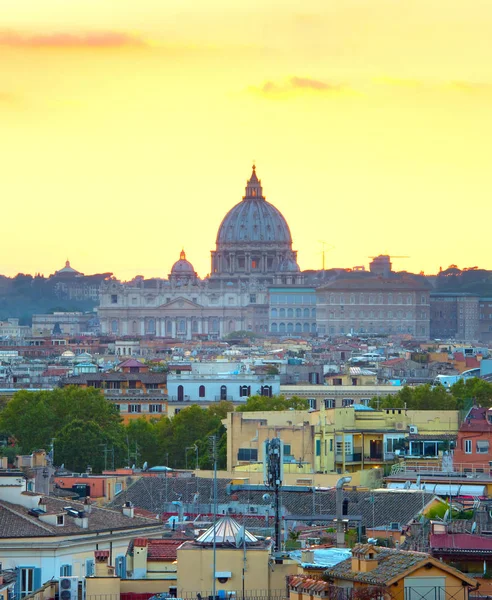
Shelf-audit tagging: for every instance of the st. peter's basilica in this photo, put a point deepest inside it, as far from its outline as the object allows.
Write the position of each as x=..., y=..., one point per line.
x=253, y=252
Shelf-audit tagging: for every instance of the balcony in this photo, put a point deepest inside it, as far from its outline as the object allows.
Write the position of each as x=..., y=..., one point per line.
x=353, y=457
x=184, y=398
x=378, y=457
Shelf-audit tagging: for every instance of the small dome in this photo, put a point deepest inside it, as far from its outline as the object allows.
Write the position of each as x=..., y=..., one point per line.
x=183, y=266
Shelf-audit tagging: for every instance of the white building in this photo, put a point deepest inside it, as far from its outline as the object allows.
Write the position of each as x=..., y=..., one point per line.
x=42, y=539
x=213, y=382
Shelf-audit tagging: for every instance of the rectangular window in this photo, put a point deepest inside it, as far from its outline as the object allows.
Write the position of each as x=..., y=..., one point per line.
x=155, y=408
x=329, y=402
x=114, y=298
x=252, y=298
x=312, y=403
x=60, y=520
x=287, y=450
x=66, y=571
x=468, y=446
x=134, y=408
x=118, y=488
x=247, y=454
x=482, y=446
x=347, y=402
x=26, y=581
x=318, y=447
x=331, y=444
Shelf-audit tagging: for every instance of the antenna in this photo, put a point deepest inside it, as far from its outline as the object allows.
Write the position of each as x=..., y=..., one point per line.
x=325, y=246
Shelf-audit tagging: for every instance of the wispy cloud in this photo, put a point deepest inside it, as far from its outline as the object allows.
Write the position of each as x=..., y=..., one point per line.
x=433, y=84
x=91, y=39
x=298, y=84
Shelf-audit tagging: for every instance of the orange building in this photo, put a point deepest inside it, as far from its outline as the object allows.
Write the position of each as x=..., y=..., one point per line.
x=473, y=450
x=134, y=390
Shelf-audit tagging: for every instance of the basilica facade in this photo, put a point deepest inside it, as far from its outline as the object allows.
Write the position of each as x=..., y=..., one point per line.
x=253, y=252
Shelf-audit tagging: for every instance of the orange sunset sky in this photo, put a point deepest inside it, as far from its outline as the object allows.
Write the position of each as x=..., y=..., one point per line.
x=128, y=129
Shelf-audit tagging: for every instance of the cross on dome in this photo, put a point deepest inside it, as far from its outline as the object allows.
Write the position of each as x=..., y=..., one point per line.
x=182, y=255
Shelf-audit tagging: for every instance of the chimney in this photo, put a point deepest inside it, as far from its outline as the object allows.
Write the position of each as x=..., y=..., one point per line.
x=307, y=556
x=364, y=558
x=102, y=569
x=128, y=510
x=87, y=505
x=82, y=520
x=42, y=504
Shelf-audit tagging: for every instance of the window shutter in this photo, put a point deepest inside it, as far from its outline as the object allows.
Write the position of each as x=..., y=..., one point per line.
x=17, y=583
x=37, y=578
x=89, y=567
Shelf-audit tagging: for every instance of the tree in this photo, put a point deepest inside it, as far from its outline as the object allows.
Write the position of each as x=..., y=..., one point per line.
x=35, y=418
x=142, y=441
x=265, y=403
x=82, y=443
x=475, y=389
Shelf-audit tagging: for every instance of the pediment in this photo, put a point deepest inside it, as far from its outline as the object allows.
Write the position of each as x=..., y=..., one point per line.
x=180, y=303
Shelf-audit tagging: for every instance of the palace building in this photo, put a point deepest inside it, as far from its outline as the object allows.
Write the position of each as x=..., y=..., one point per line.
x=253, y=252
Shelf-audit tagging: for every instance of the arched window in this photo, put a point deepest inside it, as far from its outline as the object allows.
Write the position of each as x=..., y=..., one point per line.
x=313, y=327
x=313, y=313
x=169, y=326
x=352, y=299
x=305, y=328
x=180, y=393
x=290, y=327
x=194, y=326
x=244, y=390
x=274, y=312
x=298, y=313
x=134, y=327
x=274, y=328
x=266, y=390
x=182, y=325
x=290, y=313
x=223, y=392
x=306, y=313
x=409, y=299
x=151, y=326
x=215, y=325
x=114, y=326
x=281, y=328
x=201, y=391
x=282, y=313
x=298, y=328
x=390, y=298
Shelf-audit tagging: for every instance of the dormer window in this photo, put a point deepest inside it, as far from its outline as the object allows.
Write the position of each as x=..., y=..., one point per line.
x=60, y=520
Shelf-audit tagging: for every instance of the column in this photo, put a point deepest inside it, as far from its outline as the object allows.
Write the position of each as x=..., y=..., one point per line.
x=173, y=328
x=142, y=326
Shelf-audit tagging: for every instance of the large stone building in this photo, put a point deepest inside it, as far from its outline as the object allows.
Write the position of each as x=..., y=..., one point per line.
x=253, y=251
x=373, y=303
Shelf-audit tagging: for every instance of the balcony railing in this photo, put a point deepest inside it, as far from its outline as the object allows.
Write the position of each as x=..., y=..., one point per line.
x=133, y=392
x=354, y=456
x=184, y=398
x=224, y=397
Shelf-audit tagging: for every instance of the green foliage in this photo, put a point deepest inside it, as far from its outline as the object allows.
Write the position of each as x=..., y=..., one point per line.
x=81, y=443
x=427, y=397
x=35, y=418
x=264, y=403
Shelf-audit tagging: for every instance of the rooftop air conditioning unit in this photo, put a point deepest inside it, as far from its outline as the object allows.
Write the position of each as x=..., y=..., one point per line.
x=68, y=588
x=414, y=429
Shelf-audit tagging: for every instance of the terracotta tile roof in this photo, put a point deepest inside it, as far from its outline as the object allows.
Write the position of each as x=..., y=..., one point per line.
x=460, y=543
x=391, y=563
x=131, y=362
x=302, y=583
x=164, y=550
x=16, y=520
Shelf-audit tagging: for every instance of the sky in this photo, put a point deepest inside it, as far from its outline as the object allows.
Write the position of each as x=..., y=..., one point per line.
x=128, y=130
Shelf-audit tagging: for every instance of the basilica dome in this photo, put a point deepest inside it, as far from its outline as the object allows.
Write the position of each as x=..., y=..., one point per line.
x=182, y=267
x=253, y=221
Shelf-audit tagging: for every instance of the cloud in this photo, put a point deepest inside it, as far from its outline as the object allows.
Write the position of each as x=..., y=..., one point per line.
x=433, y=84
x=296, y=84
x=92, y=39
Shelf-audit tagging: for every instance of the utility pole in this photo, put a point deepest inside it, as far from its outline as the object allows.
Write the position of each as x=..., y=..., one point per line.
x=213, y=442
x=273, y=472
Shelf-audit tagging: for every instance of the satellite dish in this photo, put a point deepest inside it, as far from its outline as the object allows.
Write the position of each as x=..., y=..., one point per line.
x=133, y=467
x=240, y=536
x=446, y=516
x=474, y=527
x=145, y=466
